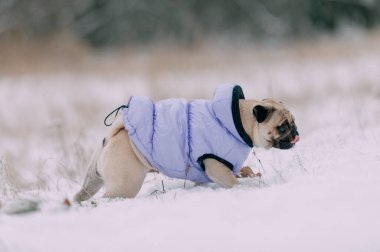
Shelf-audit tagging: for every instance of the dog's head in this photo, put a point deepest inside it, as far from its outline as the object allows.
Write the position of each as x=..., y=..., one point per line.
x=274, y=125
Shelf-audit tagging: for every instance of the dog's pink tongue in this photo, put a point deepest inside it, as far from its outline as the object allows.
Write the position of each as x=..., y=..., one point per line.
x=296, y=139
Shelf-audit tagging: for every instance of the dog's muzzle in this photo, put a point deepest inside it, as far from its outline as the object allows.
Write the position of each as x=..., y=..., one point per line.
x=288, y=141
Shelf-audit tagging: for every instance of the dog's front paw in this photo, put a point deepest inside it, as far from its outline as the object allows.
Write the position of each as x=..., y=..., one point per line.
x=246, y=172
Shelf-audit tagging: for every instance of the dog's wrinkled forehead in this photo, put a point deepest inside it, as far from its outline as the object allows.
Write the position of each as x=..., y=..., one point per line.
x=283, y=112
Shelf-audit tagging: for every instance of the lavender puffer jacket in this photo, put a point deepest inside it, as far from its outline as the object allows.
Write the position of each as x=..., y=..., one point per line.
x=176, y=135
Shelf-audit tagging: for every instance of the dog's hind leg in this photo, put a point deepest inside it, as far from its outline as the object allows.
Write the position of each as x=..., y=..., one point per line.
x=92, y=182
x=117, y=165
x=122, y=171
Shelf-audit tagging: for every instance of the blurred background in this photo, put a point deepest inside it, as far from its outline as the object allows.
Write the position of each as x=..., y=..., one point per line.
x=121, y=23
x=48, y=35
x=65, y=64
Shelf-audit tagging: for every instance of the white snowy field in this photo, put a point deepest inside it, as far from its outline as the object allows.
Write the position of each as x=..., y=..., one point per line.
x=322, y=195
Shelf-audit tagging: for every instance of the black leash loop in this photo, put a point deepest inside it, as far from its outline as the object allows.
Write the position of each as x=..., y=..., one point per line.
x=115, y=110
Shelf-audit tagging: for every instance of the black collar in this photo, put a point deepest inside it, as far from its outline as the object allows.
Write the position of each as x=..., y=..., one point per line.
x=237, y=94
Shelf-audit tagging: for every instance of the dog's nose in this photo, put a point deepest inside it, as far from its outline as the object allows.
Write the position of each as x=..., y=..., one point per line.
x=294, y=132
x=296, y=139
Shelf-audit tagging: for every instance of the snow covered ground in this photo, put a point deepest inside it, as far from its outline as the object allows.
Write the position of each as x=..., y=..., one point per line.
x=323, y=195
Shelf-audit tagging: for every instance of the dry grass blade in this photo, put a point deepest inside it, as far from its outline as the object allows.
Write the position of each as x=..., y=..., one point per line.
x=8, y=190
x=300, y=163
x=156, y=192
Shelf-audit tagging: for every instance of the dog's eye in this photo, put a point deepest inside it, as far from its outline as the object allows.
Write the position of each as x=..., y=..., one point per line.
x=282, y=128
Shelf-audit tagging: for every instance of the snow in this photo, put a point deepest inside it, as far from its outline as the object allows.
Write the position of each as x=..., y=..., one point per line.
x=334, y=207
x=323, y=195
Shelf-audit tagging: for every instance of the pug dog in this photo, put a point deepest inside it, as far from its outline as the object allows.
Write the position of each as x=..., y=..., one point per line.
x=200, y=140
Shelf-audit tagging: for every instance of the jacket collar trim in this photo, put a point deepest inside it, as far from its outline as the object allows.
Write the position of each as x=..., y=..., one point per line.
x=237, y=94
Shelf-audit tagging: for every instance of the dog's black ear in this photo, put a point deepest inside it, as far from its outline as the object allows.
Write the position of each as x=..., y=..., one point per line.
x=261, y=113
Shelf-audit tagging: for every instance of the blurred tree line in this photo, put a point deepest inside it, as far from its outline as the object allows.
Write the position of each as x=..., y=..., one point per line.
x=123, y=22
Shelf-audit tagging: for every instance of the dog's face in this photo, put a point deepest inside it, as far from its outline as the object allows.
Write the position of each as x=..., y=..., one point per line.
x=275, y=125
